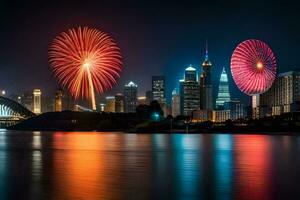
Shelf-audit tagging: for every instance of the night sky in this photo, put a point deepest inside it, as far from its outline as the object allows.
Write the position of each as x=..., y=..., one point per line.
x=155, y=37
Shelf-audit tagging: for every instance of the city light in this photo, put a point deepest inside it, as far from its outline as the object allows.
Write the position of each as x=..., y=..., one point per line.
x=156, y=116
x=3, y=92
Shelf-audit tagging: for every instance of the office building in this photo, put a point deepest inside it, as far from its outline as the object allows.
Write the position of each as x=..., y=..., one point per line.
x=237, y=109
x=130, y=96
x=58, y=101
x=282, y=97
x=220, y=115
x=158, y=89
x=223, y=93
x=142, y=100
x=202, y=115
x=206, y=88
x=37, y=101
x=119, y=103
x=149, y=97
x=175, y=103
x=109, y=104
x=189, y=92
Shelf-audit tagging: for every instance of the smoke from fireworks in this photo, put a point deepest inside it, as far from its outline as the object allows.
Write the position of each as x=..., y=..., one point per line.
x=85, y=60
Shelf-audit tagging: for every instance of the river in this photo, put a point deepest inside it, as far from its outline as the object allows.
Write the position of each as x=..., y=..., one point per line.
x=94, y=165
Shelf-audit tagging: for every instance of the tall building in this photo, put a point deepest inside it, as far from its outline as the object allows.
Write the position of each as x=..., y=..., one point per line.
x=58, y=101
x=189, y=92
x=237, y=109
x=206, y=97
x=37, y=101
x=282, y=97
x=130, y=95
x=27, y=100
x=119, y=103
x=223, y=93
x=142, y=100
x=158, y=89
x=149, y=97
x=109, y=104
x=175, y=103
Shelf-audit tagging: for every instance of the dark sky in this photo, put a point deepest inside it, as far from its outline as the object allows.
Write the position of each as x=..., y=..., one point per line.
x=156, y=37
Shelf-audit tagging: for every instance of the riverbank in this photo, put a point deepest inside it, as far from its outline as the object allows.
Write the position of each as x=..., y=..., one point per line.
x=134, y=123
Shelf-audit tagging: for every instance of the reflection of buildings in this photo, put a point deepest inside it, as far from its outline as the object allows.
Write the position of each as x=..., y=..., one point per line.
x=189, y=92
x=223, y=93
x=175, y=103
x=282, y=97
x=37, y=101
x=119, y=103
x=253, y=165
x=206, y=99
x=130, y=95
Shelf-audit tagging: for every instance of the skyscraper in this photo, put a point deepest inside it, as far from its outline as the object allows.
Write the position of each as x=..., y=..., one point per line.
x=149, y=97
x=189, y=92
x=206, y=98
x=58, y=101
x=175, y=103
x=37, y=101
x=223, y=93
x=282, y=97
x=109, y=104
x=27, y=100
x=158, y=89
x=130, y=95
x=119, y=103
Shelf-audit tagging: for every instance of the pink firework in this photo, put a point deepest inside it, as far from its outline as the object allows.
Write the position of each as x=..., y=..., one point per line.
x=253, y=67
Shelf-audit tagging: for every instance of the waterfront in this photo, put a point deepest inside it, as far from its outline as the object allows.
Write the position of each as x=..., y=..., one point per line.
x=91, y=165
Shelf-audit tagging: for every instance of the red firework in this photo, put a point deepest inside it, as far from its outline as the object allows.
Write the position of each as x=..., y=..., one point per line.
x=253, y=67
x=84, y=60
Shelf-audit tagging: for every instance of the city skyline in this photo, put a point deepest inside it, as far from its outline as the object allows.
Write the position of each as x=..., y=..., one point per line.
x=187, y=43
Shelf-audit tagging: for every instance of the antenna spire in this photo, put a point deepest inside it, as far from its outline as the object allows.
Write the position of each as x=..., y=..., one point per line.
x=206, y=50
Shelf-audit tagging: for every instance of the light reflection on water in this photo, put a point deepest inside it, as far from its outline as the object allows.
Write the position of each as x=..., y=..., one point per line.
x=45, y=165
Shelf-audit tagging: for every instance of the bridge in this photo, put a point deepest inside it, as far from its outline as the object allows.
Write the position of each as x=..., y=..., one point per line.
x=13, y=111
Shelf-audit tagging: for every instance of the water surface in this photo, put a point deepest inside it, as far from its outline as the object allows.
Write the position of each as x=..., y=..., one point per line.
x=60, y=165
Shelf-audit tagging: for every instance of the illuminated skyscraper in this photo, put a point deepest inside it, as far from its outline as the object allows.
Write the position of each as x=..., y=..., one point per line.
x=37, y=101
x=109, y=104
x=119, y=103
x=283, y=96
x=189, y=92
x=158, y=89
x=130, y=95
x=175, y=103
x=206, y=99
x=58, y=101
x=223, y=93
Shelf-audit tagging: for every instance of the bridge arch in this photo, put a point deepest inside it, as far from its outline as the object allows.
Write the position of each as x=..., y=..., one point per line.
x=11, y=110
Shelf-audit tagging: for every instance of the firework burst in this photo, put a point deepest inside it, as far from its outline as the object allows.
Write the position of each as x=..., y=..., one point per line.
x=85, y=61
x=253, y=67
